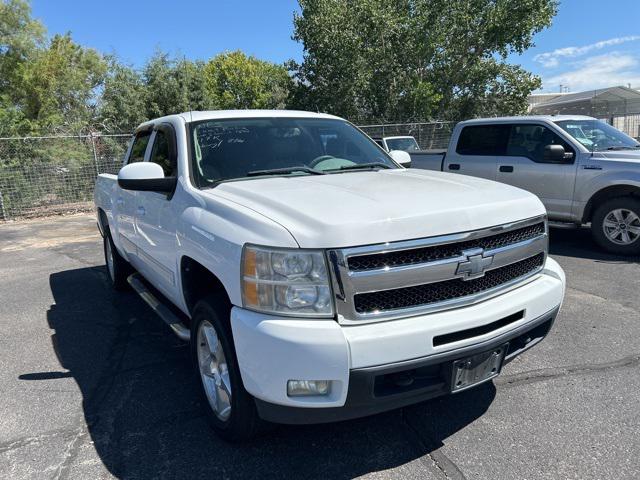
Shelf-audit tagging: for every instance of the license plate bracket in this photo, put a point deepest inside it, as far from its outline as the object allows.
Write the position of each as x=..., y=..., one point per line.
x=475, y=369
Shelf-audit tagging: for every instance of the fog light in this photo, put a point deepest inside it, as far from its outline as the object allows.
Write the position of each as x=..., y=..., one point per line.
x=303, y=388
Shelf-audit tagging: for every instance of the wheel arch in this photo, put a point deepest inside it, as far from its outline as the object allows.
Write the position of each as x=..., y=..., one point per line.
x=103, y=222
x=198, y=281
x=607, y=193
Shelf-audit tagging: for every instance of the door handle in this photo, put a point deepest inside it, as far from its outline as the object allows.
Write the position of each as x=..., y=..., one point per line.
x=141, y=210
x=506, y=168
x=454, y=166
x=120, y=201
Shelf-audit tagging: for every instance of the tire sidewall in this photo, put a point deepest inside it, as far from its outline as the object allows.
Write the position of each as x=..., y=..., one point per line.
x=241, y=402
x=597, y=225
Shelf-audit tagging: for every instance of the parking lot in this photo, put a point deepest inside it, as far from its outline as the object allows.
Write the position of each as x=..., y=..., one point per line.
x=95, y=386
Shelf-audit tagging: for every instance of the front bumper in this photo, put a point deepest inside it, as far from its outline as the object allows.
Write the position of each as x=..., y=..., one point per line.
x=378, y=389
x=363, y=361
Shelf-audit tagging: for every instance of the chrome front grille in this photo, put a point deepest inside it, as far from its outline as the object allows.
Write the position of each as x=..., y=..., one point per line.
x=398, y=279
x=440, y=252
x=430, y=293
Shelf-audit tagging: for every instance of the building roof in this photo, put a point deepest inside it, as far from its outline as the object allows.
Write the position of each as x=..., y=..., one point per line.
x=611, y=94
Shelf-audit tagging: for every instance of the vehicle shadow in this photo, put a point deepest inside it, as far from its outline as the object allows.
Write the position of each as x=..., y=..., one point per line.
x=143, y=413
x=579, y=243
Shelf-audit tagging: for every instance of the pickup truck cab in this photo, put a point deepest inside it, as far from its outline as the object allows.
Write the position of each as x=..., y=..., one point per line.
x=404, y=143
x=315, y=277
x=582, y=169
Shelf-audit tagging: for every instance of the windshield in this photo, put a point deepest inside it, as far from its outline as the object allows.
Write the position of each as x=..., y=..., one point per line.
x=236, y=149
x=408, y=144
x=597, y=135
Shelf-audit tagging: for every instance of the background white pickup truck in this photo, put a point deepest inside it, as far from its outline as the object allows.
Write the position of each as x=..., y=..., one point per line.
x=583, y=170
x=315, y=277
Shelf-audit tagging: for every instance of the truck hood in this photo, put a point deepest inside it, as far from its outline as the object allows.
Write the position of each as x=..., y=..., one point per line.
x=622, y=155
x=362, y=208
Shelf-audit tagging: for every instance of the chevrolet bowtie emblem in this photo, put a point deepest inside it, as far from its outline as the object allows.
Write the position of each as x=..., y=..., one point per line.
x=474, y=265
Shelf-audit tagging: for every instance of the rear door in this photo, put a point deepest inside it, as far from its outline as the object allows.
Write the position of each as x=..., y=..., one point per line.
x=477, y=149
x=125, y=201
x=156, y=217
x=523, y=165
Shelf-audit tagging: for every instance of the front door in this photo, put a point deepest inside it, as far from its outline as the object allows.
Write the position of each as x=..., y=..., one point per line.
x=156, y=219
x=523, y=165
x=125, y=202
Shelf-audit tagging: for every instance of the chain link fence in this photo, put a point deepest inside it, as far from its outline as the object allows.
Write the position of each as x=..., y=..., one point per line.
x=48, y=175
x=428, y=135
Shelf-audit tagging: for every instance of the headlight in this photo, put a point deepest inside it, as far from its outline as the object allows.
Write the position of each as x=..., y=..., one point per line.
x=286, y=282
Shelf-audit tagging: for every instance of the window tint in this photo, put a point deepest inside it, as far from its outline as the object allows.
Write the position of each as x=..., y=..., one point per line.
x=139, y=147
x=160, y=154
x=483, y=140
x=530, y=140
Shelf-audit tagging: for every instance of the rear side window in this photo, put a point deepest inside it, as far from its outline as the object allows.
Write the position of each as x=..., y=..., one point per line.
x=483, y=140
x=160, y=154
x=139, y=147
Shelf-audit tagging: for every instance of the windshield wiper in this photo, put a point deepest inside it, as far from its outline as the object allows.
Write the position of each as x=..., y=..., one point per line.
x=361, y=166
x=284, y=171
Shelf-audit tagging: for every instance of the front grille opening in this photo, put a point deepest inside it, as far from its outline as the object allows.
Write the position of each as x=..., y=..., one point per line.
x=439, y=252
x=477, y=331
x=431, y=377
x=421, y=295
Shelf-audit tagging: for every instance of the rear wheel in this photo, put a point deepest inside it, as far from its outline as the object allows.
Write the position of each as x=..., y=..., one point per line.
x=616, y=226
x=117, y=267
x=230, y=409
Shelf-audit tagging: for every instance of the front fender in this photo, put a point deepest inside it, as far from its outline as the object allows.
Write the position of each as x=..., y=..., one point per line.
x=214, y=233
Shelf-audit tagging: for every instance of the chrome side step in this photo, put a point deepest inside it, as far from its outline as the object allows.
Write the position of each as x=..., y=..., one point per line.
x=170, y=318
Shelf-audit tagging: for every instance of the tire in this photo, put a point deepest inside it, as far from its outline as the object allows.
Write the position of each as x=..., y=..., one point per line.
x=615, y=225
x=118, y=269
x=236, y=418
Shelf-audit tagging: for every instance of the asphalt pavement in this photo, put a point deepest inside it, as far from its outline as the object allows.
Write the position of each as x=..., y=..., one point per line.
x=93, y=385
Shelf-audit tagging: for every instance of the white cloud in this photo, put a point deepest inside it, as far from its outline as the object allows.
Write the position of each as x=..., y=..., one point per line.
x=600, y=71
x=552, y=59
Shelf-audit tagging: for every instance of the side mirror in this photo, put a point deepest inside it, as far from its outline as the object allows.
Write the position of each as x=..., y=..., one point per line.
x=145, y=177
x=401, y=157
x=554, y=153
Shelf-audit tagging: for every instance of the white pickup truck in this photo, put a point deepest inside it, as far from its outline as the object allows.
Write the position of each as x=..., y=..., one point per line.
x=583, y=170
x=316, y=278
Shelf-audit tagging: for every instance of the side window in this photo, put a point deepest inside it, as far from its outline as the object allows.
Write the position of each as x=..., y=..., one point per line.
x=530, y=141
x=483, y=140
x=160, y=154
x=139, y=146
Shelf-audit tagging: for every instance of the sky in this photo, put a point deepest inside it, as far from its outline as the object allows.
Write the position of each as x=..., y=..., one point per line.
x=591, y=44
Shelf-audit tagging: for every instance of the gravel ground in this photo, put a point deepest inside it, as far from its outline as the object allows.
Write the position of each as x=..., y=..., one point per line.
x=94, y=386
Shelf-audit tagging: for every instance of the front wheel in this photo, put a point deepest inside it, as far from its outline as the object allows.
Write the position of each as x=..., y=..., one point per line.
x=616, y=226
x=230, y=409
x=117, y=267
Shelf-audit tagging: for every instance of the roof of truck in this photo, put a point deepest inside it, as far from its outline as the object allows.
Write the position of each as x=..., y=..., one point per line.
x=196, y=116
x=549, y=118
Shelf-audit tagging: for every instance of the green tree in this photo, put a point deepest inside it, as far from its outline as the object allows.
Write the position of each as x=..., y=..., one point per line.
x=122, y=103
x=60, y=86
x=235, y=80
x=20, y=38
x=405, y=60
x=174, y=86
